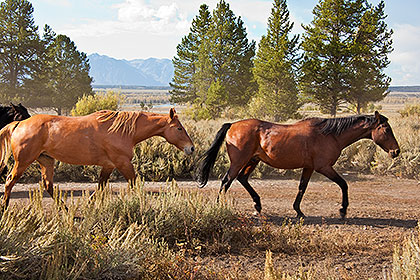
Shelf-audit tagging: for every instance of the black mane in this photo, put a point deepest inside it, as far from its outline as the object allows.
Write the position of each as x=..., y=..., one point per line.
x=339, y=125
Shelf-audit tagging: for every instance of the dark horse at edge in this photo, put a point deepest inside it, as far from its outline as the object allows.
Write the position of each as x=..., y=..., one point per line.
x=313, y=144
x=9, y=114
x=12, y=113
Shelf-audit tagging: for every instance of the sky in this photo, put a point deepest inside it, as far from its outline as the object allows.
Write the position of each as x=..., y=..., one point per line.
x=134, y=29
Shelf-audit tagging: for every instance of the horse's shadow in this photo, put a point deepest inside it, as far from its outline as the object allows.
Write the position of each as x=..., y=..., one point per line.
x=65, y=193
x=358, y=221
x=25, y=194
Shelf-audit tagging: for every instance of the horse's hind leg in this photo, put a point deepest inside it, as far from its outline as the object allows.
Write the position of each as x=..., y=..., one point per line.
x=304, y=180
x=228, y=179
x=47, y=173
x=238, y=160
x=243, y=179
x=331, y=174
x=11, y=180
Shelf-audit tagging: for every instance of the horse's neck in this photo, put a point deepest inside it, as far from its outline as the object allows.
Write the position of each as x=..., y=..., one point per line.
x=353, y=134
x=149, y=126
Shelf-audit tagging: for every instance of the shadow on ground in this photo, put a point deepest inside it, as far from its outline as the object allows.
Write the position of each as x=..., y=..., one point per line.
x=362, y=221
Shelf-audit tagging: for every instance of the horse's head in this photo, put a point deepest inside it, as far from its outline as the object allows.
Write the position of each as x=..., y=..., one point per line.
x=18, y=112
x=176, y=134
x=383, y=136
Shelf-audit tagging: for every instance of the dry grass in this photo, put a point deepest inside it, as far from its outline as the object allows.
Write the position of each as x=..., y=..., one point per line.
x=165, y=234
x=406, y=259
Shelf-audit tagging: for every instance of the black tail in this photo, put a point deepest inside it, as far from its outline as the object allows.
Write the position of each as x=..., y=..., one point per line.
x=209, y=158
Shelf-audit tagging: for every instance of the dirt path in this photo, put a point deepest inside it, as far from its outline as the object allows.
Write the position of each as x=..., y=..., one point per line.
x=383, y=211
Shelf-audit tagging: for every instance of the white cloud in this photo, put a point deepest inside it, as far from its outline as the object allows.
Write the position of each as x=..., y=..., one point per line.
x=134, y=16
x=405, y=59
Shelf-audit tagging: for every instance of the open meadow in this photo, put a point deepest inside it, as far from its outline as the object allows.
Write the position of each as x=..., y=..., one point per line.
x=173, y=230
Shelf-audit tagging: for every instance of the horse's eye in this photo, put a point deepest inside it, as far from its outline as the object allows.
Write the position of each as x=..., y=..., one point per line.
x=179, y=128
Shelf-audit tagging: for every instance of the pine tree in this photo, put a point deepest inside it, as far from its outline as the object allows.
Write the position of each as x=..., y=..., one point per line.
x=20, y=47
x=346, y=48
x=64, y=75
x=371, y=45
x=275, y=69
x=185, y=62
x=225, y=79
x=327, y=52
x=213, y=66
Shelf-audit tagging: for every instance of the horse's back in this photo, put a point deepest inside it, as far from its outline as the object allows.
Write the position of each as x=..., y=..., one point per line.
x=279, y=145
x=75, y=140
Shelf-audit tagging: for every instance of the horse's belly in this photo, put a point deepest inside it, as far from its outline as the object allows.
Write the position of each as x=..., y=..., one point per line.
x=76, y=157
x=285, y=160
x=286, y=164
x=76, y=152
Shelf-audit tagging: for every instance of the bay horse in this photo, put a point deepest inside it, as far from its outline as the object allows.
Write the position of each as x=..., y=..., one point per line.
x=313, y=144
x=105, y=138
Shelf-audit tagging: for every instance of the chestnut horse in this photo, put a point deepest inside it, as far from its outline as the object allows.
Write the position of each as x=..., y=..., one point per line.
x=104, y=138
x=313, y=144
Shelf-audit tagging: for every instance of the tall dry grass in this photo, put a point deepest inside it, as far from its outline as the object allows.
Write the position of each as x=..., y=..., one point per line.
x=406, y=259
x=137, y=234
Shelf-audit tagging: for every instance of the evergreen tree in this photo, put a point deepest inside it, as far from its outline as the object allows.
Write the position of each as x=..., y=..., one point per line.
x=213, y=66
x=226, y=79
x=371, y=45
x=275, y=67
x=327, y=52
x=20, y=47
x=345, y=52
x=64, y=75
x=185, y=62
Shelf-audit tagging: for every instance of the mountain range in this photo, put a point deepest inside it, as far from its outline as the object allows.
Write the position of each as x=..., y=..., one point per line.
x=106, y=70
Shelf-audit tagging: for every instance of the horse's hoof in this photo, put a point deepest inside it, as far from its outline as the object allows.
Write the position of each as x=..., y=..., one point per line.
x=343, y=213
x=258, y=208
x=300, y=216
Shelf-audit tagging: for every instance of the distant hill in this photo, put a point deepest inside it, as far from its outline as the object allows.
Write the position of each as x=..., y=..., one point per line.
x=404, y=88
x=106, y=70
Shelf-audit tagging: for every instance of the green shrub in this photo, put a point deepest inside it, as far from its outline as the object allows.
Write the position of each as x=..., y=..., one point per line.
x=100, y=101
x=410, y=110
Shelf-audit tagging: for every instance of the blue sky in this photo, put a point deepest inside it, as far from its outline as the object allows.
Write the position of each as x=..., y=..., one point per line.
x=129, y=29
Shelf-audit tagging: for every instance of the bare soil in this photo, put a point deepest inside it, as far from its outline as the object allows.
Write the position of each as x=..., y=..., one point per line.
x=383, y=212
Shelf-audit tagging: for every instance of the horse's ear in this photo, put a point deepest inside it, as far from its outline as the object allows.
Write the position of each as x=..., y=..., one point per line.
x=377, y=116
x=172, y=113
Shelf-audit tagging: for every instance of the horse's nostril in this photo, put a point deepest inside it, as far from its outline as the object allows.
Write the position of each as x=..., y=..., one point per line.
x=192, y=149
x=395, y=153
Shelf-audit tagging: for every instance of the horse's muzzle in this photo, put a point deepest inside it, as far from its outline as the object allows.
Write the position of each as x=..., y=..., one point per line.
x=394, y=153
x=189, y=150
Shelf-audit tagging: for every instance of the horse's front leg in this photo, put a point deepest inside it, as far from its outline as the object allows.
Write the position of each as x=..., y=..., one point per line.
x=304, y=180
x=126, y=168
x=103, y=180
x=331, y=174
